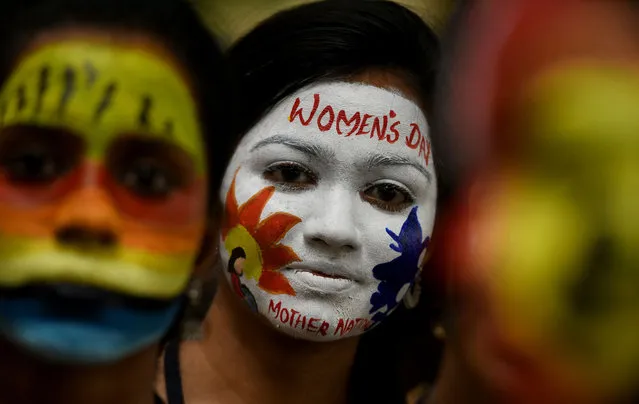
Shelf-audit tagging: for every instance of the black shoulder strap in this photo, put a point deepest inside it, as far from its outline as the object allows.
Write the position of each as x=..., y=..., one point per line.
x=172, y=376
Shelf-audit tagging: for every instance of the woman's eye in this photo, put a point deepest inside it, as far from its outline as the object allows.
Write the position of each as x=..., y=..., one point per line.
x=148, y=178
x=32, y=165
x=35, y=155
x=293, y=176
x=388, y=197
x=149, y=168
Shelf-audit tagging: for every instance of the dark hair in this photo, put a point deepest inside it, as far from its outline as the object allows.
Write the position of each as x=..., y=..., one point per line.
x=333, y=40
x=173, y=23
x=329, y=40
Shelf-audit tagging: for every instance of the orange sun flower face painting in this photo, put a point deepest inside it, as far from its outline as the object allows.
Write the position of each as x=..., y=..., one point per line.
x=260, y=240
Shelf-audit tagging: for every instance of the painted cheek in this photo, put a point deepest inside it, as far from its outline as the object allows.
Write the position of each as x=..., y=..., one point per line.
x=180, y=207
x=87, y=198
x=396, y=274
x=40, y=195
x=28, y=210
x=174, y=224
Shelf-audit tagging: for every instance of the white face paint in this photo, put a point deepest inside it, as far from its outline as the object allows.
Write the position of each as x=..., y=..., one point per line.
x=330, y=202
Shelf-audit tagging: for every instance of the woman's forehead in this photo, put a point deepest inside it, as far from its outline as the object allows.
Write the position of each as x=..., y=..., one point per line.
x=101, y=90
x=390, y=79
x=345, y=122
x=118, y=38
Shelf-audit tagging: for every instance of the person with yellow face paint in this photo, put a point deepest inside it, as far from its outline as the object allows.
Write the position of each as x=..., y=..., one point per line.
x=542, y=240
x=113, y=126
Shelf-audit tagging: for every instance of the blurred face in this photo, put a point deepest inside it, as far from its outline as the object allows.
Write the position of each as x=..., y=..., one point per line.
x=556, y=232
x=102, y=197
x=332, y=197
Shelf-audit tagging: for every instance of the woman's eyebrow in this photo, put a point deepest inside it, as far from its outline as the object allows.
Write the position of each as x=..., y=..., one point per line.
x=328, y=156
x=388, y=159
x=321, y=153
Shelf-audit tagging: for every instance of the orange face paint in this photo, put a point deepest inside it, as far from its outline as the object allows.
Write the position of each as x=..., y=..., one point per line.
x=102, y=178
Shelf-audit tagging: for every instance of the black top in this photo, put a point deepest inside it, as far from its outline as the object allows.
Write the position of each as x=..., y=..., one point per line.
x=172, y=377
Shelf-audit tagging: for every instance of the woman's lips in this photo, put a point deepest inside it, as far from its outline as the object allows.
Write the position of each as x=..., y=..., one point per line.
x=319, y=276
x=324, y=275
x=323, y=269
x=78, y=296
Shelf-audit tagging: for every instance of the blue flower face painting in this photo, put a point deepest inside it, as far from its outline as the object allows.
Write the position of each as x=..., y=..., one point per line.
x=398, y=275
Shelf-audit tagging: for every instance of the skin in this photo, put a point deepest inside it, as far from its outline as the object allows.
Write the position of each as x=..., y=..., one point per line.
x=307, y=371
x=125, y=381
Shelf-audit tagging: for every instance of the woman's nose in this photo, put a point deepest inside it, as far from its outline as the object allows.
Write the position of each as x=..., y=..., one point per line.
x=333, y=223
x=87, y=219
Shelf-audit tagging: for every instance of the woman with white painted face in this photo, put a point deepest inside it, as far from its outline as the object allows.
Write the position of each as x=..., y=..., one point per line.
x=329, y=205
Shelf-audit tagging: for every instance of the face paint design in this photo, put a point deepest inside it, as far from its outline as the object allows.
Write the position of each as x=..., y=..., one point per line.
x=102, y=199
x=398, y=275
x=541, y=240
x=236, y=270
x=328, y=198
x=578, y=188
x=243, y=228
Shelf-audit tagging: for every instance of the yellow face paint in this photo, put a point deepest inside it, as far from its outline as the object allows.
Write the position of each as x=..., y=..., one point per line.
x=100, y=91
x=566, y=269
x=106, y=96
x=103, y=187
x=128, y=271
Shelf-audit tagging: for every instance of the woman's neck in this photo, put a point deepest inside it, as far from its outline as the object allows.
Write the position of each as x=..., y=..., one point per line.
x=28, y=380
x=241, y=359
